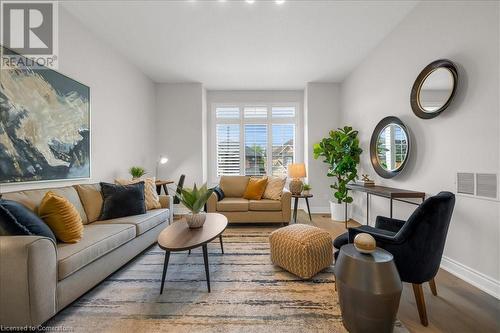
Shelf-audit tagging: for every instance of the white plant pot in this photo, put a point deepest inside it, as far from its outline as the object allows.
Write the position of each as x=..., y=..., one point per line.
x=195, y=221
x=337, y=211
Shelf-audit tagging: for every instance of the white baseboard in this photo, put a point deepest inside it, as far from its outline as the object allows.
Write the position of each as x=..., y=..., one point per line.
x=470, y=275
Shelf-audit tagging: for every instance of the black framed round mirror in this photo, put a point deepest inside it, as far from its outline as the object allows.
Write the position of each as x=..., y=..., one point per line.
x=389, y=147
x=434, y=89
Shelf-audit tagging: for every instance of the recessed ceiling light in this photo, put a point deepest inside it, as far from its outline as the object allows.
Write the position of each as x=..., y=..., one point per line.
x=249, y=1
x=280, y=2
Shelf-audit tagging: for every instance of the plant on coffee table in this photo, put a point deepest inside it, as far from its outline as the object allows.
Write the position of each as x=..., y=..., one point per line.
x=195, y=199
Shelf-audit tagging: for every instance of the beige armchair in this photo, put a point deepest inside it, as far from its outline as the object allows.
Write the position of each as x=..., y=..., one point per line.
x=240, y=210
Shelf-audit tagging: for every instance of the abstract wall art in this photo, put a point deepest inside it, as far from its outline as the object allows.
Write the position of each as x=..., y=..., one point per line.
x=44, y=125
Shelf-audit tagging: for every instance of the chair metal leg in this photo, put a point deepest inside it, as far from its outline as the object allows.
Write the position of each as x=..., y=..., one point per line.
x=419, y=298
x=165, y=265
x=205, y=259
x=189, y=252
x=221, y=245
x=432, y=284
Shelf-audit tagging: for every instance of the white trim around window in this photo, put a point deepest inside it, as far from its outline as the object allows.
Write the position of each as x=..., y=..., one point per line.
x=258, y=118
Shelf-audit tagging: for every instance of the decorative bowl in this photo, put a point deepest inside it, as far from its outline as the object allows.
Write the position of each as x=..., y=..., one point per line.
x=365, y=243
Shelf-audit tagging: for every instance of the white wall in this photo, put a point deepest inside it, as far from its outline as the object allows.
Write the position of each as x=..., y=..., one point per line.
x=179, y=130
x=122, y=104
x=322, y=114
x=465, y=137
x=251, y=96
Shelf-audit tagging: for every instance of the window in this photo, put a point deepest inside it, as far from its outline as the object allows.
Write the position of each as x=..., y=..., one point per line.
x=254, y=140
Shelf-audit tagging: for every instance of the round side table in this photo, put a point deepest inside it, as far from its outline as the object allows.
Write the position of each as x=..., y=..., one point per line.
x=369, y=289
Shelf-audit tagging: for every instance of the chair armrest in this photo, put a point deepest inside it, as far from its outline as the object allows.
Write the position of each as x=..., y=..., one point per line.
x=212, y=203
x=167, y=201
x=379, y=236
x=286, y=205
x=388, y=223
x=28, y=280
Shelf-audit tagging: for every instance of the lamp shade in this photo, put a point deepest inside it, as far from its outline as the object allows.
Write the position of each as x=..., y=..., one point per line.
x=297, y=170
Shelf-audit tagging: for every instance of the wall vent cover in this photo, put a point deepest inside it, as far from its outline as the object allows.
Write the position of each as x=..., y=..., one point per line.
x=465, y=183
x=487, y=185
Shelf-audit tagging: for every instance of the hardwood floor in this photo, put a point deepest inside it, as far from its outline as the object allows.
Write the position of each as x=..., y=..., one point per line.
x=458, y=306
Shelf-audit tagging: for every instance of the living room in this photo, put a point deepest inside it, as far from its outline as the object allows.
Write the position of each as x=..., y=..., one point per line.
x=249, y=98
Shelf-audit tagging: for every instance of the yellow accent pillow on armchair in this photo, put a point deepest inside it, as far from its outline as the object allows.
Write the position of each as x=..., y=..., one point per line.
x=61, y=217
x=255, y=188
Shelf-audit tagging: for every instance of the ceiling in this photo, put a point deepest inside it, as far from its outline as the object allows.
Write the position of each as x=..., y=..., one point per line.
x=237, y=45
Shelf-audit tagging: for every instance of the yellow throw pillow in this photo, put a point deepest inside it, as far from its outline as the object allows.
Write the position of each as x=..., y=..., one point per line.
x=255, y=188
x=61, y=217
x=150, y=195
x=274, y=188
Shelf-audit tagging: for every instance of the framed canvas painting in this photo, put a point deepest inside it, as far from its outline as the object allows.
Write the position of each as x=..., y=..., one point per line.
x=44, y=124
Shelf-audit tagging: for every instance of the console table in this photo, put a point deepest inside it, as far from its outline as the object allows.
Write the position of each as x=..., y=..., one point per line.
x=393, y=194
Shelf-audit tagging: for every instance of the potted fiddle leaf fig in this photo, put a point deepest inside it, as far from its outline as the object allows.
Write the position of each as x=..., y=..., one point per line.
x=195, y=199
x=341, y=152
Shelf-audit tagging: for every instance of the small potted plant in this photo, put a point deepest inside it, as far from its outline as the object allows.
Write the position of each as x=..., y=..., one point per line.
x=194, y=199
x=306, y=189
x=137, y=172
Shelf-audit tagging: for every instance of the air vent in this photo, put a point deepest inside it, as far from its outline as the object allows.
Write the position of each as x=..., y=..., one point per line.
x=465, y=183
x=487, y=185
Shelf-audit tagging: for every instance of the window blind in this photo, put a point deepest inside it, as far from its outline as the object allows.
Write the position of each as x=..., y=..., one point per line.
x=228, y=149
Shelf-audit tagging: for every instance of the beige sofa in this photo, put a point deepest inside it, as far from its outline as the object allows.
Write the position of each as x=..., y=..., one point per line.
x=240, y=210
x=38, y=278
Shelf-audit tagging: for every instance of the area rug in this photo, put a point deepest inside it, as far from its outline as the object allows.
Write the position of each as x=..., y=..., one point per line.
x=249, y=294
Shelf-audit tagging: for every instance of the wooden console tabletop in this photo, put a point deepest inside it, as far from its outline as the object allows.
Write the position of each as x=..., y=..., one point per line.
x=386, y=192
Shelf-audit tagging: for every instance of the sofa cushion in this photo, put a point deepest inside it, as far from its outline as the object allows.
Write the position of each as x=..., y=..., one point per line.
x=274, y=188
x=234, y=186
x=32, y=198
x=122, y=200
x=16, y=219
x=98, y=240
x=61, y=217
x=264, y=205
x=232, y=205
x=255, y=188
x=150, y=194
x=143, y=222
x=91, y=197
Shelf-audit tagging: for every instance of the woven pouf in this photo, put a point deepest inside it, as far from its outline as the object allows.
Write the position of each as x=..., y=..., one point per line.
x=301, y=249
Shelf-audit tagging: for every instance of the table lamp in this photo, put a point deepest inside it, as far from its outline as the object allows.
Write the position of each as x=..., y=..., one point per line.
x=296, y=171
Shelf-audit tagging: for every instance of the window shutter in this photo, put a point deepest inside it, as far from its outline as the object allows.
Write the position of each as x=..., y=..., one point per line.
x=228, y=149
x=283, y=146
x=283, y=112
x=255, y=112
x=255, y=149
x=227, y=113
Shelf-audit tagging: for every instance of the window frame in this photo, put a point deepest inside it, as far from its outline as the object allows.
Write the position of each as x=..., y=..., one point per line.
x=242, y=121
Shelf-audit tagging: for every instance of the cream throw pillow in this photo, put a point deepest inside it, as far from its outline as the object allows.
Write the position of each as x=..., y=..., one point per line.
x=150, y=194
x=274, y=188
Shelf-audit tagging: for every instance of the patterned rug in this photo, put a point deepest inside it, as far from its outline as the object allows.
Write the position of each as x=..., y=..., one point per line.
x=249, y=294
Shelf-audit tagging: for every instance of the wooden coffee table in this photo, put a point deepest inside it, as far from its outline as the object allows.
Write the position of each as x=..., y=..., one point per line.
x=178, y=237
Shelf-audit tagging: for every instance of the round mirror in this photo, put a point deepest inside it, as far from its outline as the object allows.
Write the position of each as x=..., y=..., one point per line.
x=389, y=147
x=434, y=88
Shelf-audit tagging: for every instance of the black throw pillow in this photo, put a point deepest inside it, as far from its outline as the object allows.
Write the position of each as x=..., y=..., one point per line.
x=218, y=191
x=122, y=200
x=16, y=220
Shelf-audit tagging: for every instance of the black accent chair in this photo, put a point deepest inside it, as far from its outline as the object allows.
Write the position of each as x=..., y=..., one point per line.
x=180, y=186
x=417, y=244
